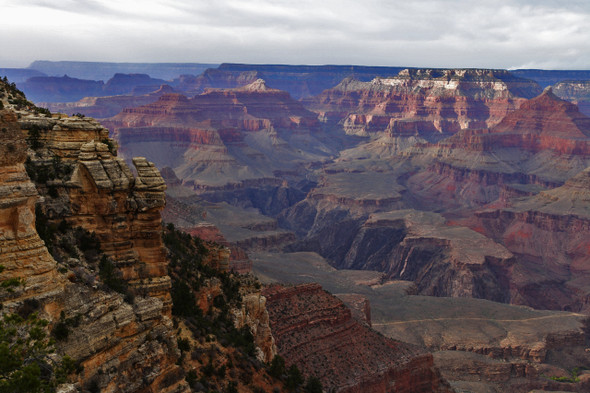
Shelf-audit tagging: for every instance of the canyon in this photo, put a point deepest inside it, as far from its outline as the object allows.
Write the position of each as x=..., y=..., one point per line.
x=119, y=325
x=428, y=183
x=445, y=208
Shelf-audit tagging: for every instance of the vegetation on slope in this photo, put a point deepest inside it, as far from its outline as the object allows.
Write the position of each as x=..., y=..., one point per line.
x=216, y=355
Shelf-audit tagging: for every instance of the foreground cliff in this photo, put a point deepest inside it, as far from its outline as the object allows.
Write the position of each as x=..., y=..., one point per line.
x=106, y=336
x=90, y=259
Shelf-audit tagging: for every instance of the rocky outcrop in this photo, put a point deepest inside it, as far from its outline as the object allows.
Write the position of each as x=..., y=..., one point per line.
x=315, y=331
x=429, y=102
x=254, y=314
x=62, y=135
x=120, y=346
x=124, y=213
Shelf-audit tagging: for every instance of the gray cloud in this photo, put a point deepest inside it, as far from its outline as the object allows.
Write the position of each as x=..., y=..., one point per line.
x=445, y=33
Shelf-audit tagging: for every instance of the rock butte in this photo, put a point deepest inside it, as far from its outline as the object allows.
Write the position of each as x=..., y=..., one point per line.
x=424, y=102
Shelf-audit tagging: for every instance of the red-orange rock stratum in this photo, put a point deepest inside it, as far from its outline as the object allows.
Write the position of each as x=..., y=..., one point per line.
x=222, y=137
x=440, y=101
x=315, y=331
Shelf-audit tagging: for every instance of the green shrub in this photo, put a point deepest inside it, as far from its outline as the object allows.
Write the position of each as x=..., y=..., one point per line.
x=294, y=378
x=277, y=367
x=313, y=385
x=25, y=361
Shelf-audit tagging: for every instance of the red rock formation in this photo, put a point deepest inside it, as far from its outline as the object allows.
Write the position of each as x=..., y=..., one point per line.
x=315, y=331
x=441, y=101
x=124, y=213
x=221, y=137
x=550, y=233
x=541, y=144
x=250, y=108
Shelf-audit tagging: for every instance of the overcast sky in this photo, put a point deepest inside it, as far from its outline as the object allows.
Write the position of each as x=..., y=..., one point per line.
x=445, y=33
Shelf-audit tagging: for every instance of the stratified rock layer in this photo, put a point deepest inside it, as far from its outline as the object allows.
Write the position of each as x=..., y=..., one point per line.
x=315, y=331
x=124, y=212
x=424, y=102
x=22, y=252
x=222, y=139
x=121, y=347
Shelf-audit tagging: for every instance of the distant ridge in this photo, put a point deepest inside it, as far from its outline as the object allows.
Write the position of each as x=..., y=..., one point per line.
x=377, y=70
x=550, y=77
x=106, y=70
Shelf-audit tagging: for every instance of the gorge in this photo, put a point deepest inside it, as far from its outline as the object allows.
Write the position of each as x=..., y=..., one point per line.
x=445, y=209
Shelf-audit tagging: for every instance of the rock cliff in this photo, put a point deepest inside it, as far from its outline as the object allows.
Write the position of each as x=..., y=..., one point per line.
x=549, y=232
x=540, y=145
x=424, y=102
x=317, y=332
x=23, y=253
x=105, y=288
x=111, y=339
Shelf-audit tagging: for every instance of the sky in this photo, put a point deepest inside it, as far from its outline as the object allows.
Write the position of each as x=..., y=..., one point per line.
x=547, y=34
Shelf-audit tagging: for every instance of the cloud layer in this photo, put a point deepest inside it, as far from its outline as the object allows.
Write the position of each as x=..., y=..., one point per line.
x=444, y=33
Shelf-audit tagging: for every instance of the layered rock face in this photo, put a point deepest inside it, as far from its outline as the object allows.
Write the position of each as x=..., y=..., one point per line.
x=514, y=255
x=63, y=135
x=540, y=145
x=440, y=260
x=550, y=233
x=104, y=197
x=121, y=347
x=224, y=138
x=424, y=102
x=315, y=331
x=22, y=252
x=124, y=213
